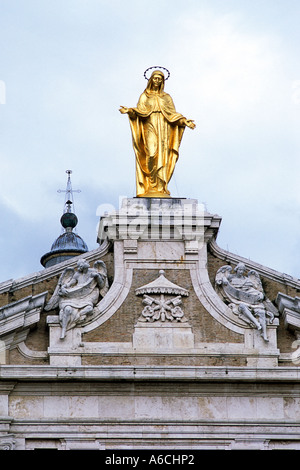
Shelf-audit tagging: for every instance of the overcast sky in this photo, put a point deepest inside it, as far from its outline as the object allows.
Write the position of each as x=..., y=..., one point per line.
x=65, y=68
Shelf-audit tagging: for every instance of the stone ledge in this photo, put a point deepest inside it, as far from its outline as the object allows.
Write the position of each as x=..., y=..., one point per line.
x=198, y=349
x=158, y=219
x=264, y=271
x=145, y=421
x=45, y=273
x=151, y=373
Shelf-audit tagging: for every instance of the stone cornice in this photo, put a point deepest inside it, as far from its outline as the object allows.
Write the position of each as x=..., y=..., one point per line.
x=150, y=373
x=55, y=270
x=264, y=271
x=17, y=317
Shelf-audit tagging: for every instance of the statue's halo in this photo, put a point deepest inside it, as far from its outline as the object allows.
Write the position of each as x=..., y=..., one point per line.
x=156, y=67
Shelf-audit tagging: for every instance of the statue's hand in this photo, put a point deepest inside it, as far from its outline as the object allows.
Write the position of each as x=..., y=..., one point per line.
x=63, y=290
x=123, y=110
x=96, y=276
x=190, y=123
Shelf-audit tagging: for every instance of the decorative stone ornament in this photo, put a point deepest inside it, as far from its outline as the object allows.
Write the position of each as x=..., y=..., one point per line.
x=289, y=307
x=78, y=292
x=245, y=296
x=7, y=442
x=16, y=319
x=160, y=307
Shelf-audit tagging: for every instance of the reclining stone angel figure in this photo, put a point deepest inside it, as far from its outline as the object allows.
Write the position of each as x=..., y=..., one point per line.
x=78, y=292
x=245, y=296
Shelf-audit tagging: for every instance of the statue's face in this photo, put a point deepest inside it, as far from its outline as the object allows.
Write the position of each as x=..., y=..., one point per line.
x=157, y=80
x=240, y=270
x=81, y=266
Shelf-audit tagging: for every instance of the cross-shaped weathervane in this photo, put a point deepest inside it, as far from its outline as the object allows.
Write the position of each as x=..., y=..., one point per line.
x=69, y=192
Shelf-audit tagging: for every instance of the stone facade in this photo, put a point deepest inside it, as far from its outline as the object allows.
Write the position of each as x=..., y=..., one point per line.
x=161, y=359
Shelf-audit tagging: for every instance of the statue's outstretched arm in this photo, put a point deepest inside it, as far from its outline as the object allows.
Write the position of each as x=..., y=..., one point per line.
x=129, y=111
x=189, y=123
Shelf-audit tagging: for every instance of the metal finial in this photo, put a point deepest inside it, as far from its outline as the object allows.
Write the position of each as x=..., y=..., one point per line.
x=69, y=192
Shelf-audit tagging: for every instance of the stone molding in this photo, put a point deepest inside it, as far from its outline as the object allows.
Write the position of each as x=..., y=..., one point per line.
x=99, y=433
x=176, y=341
x=117, y=293
x=212, y=302
x=264, y=271
x=159, y=219
x=17, y=317
x=289, y=307
x=223, y=314
x=46, y=273
x=7, y=442
x=162, y=373
x=30, y=353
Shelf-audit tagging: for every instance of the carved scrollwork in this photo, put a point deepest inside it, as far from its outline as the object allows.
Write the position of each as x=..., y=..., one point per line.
x=7, y=442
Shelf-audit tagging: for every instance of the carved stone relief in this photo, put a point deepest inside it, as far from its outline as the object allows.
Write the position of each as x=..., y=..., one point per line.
x=245, y=296
x=165, y=301
x=7, y=442
x=16, y=319
x=78, y=292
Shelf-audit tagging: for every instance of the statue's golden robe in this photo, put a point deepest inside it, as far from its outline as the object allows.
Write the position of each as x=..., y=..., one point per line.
x=157, y=130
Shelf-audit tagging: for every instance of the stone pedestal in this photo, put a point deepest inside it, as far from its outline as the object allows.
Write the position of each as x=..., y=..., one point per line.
x=162, y=336
x=262, y=353
x=158, y=219
x=63, y=351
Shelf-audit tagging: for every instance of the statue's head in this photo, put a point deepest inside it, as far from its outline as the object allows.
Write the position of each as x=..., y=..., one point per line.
x=240, y=268
x=82, y=265
x=157, y=80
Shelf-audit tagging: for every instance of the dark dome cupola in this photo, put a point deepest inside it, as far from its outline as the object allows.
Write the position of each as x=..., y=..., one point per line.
x=69, y=243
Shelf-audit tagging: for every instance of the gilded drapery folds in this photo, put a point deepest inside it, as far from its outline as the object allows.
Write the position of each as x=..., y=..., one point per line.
x=157, y=130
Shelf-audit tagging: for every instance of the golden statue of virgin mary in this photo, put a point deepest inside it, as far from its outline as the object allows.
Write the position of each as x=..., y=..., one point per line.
x=157, y=130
